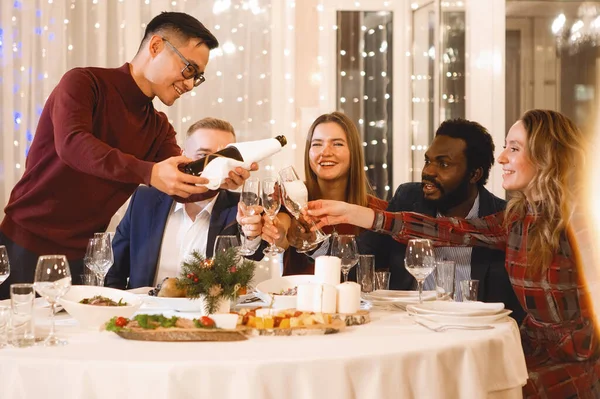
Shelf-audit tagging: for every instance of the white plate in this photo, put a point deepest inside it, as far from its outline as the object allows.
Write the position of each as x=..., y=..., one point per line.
x=447, y=308
x=182, y=304
x=460, y=320
x=400, y=295
x=266, y=290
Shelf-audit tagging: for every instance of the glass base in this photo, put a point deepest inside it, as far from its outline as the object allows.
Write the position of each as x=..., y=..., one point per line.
x=245, y=251
x=273, y=251
x=53, y=340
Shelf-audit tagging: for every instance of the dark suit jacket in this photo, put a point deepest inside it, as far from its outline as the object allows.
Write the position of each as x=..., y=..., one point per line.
x=487, y=265
x=139, y=236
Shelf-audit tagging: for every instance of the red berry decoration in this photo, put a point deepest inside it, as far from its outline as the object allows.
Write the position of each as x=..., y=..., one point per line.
x=232, y=269
x=195, y=279
x=121, y=322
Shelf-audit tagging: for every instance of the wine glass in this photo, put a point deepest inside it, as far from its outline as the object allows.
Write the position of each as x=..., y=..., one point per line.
x=295, y=199
x=4, y=264
x=52, y=281
x=344, y=247
x=101, y=253
x=419, y=261
x=251, y=199
x=271, y=202
x=223, y=243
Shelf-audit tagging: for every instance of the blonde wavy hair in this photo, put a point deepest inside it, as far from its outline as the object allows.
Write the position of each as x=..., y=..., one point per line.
x=358, y=186
x=556, y=147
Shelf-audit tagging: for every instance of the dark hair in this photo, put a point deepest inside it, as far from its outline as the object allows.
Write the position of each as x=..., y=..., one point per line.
x=182, y=25
x=480, y=145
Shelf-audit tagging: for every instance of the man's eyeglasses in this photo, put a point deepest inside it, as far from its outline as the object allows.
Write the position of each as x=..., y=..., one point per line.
x=189, y=71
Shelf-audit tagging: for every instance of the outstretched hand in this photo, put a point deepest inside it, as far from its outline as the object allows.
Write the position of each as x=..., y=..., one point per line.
x=330, y=212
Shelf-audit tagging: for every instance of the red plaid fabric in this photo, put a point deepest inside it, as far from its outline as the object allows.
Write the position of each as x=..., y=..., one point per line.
x=558, y=335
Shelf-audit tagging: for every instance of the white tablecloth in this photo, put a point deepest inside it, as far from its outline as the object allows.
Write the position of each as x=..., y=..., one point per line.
x=389, y=358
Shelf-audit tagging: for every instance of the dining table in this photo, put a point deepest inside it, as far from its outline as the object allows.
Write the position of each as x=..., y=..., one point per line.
x=389, y=357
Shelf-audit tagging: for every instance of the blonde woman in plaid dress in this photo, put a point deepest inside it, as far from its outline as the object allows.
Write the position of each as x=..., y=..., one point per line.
x=542, y=161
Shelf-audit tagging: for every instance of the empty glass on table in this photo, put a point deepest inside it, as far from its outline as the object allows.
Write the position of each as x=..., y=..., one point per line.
x=52, y=281
x=99, y=256
x=4, y=264
x=344, y=247
x=419, y=261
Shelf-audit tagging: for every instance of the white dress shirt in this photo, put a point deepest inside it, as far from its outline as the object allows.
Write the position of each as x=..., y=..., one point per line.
x=460, y=255
x=182, y=236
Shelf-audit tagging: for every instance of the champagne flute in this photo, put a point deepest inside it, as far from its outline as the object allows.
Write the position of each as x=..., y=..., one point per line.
x=420, y=261
x=251, y=199
x=52, y=281
x=295, y=199
x=88, y=261
x=4, y=264
x=271, y=202
x=223, y=243
x=344, y=247
x=102, y=255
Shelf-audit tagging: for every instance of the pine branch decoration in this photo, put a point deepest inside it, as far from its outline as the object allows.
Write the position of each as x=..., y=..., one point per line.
x=218, y=278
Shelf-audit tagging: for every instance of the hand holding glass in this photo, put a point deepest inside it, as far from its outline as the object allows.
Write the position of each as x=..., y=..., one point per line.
x=52, y=281
x=251, y=200
x=271, y=202
x=419, y=261
x=295, y=199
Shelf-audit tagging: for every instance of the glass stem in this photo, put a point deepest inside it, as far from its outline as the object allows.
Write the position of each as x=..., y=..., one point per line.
x=52, y=309
x=420, y=285
x=345, y=272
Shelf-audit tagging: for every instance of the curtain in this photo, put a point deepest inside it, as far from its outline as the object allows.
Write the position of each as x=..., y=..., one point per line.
x=42, y=39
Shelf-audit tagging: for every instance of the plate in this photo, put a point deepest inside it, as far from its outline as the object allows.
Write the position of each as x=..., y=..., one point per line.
x=447, y=308
x=460, y=320
x=183, y=304
x=397, y=299
x=266, y=290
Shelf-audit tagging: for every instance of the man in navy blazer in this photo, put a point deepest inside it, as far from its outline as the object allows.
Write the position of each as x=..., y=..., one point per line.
x=156, y=231
x=457, y=166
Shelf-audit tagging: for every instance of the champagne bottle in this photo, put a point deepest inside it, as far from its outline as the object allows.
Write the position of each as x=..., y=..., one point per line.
x=216, y=167
x=197, y=167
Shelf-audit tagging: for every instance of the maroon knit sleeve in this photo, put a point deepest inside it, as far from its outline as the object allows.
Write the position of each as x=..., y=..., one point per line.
x=488, y=231
x=74, y=100
x=168, y=147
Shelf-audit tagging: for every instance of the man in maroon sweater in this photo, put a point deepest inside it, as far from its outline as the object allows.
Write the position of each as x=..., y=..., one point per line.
x=98, y=138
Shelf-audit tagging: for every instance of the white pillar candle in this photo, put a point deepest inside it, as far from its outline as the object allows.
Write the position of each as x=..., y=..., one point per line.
x=328, y=269
x=305, y=297
x=325, y=299
x=348, y=297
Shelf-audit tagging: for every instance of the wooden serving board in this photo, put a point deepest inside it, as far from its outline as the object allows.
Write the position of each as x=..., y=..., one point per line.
x=354, y=319
x=182, y=335
x=316, y=329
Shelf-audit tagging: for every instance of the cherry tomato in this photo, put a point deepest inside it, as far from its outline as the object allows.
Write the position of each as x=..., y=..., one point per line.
x=207, y=321
x=121, y=322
